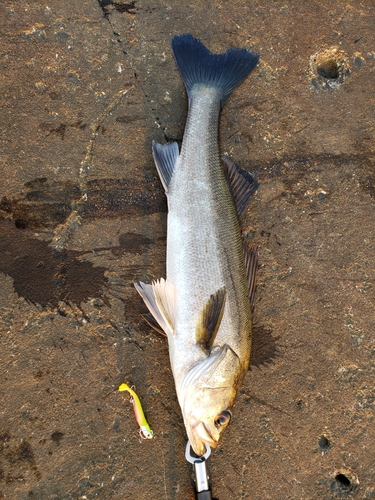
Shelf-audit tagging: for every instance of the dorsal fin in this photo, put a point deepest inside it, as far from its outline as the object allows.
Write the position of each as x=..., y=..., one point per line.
x=165, y=157
x=242, y=184
x=210, y=319
x=160, y=300
x=251, y=266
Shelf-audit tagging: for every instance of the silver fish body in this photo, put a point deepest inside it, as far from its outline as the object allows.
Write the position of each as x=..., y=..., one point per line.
x=204, y=304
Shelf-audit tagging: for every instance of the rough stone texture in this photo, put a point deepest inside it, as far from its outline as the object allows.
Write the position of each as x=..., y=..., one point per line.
x=85, y=87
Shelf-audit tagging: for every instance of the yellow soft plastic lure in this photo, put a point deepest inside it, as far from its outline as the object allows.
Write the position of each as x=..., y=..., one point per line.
x=144, y=429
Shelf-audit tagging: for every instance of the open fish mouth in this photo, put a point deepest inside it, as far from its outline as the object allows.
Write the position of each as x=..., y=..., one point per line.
x=199, y=437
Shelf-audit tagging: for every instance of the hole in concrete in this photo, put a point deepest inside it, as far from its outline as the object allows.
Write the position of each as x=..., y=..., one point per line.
x=342, y=480
x=328, y=68
x=324, y=443
x=342, y=484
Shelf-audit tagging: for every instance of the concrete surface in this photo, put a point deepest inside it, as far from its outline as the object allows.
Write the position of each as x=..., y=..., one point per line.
x=85, y=87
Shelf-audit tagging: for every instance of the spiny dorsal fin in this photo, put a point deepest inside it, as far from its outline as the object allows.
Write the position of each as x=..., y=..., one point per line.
x=242, y=184
x=165, y=157
x=210, y=319
x=251, y=266
x=160, y=300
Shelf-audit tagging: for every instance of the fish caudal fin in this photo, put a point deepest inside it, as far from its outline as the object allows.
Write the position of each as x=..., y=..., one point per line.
x=165, y=157
x=160, y=299
x=198, y=65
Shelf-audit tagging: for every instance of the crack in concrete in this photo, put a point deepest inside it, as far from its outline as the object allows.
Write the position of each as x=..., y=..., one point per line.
x=105, y=7
x=63, y=231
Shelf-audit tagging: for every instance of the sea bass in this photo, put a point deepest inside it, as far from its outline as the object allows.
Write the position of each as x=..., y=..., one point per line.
x=204, y=305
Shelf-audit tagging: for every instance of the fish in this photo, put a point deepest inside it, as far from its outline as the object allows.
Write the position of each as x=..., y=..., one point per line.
x=204, y=306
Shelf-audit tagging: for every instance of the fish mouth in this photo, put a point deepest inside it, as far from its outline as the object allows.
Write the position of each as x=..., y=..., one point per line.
x=199, y=437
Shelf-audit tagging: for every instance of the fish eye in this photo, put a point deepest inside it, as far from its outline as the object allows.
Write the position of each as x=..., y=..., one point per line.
x=223, y=419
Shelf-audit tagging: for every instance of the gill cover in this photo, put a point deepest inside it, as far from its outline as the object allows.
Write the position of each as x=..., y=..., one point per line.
x=207, y=391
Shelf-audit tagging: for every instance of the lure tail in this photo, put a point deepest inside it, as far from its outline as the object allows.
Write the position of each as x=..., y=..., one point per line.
x=198, y=65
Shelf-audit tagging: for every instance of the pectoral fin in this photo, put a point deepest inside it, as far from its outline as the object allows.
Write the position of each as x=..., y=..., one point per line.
x=151, y=321
x=159, y=297
x=242, y=184
x=210, y=319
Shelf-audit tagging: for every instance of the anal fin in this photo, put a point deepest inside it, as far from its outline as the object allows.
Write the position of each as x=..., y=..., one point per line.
x=242, y=184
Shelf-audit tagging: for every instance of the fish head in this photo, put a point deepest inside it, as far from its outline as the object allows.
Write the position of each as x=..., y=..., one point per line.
x=207, y=394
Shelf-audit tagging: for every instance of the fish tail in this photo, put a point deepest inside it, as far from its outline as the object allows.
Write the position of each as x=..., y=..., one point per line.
x=197, y=65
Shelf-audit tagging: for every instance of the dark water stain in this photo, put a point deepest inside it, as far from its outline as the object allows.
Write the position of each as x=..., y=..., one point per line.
x=128, y=118
x=131, y=242
x=49, y=203
x=40, y=374
x=125, y=7
x=45, y=204
x=4, y=438
x=108, y=5
x=61, y=129
x=367, y=183
x=15, y=458
x=44, y=276
x=121, y=198
x=264, y=348
x=57, y=437
x=58, y=130
x=23, y=452
x=292, y=170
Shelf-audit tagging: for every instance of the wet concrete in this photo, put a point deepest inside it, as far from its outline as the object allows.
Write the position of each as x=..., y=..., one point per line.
x=85, y=87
